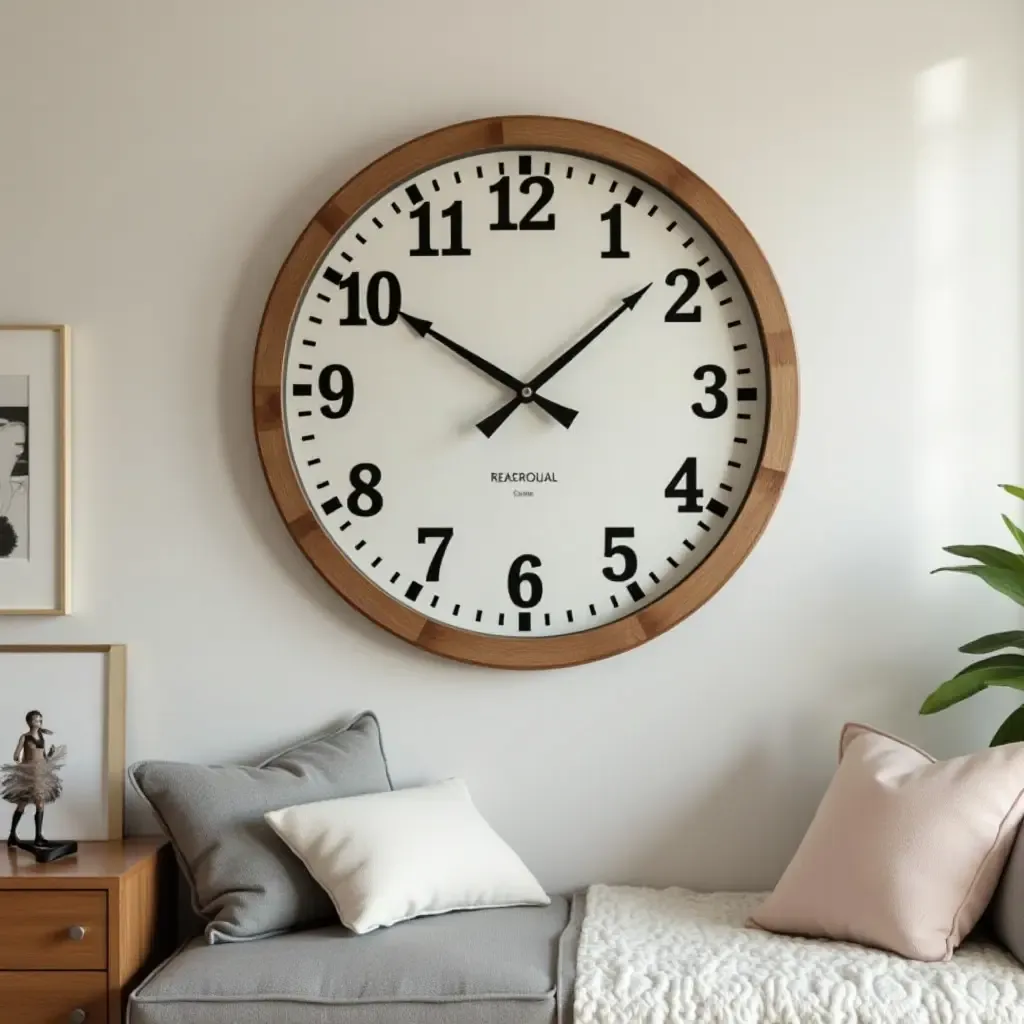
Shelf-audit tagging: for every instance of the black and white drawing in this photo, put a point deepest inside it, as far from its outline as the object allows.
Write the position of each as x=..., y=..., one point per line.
x=14, y=466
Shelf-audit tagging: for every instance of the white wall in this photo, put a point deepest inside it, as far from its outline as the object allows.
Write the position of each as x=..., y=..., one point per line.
x=158, y=159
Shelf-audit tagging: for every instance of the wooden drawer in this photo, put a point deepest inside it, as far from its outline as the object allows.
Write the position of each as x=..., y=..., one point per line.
x=43, y=997
x=40, y=928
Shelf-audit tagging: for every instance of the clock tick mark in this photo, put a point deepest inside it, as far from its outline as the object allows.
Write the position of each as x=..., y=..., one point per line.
x=615, y=601
x=716, y=279
x=376, y=562
x=414, y=194
x=479, y=171
x=654, y=579
x=396, y=208
x=688, y=242
x=635, y=591
x=360, y=545
x=746, y=395
x=746, y=369
x=313, y=462
x=413, y=591
x=568, y=614
x=635, y=195
x=717, y=508
x=394, y=577
x=501, y=166
x=434, y=600
x=738, y=348
x=360, y=239
x=593, y=610
x=703, y=260
x=305, y=366
x=615, y=185
x=704, y=526
x=653, y=210
x=455, y=610
x=501, y=618
x=331, y=505
x=688, y=546
x=671, y=561
x=314, y=320
x=547, y=618
x=323, y=483
x=726, y=487
x=377, y=223
x=525, y=163
x=302, y=390
x=672, y=225
x=345, y=525
x=725, y=302
x=304, y=413
x=547, y=169
x=457, y=177
x=309, y=437
x=592, y=178
x=322, y=297
x=331, y=276
x=309, y=341
x=734, y=323
x=479, y=614
x=739, y=440
x=437, y=187
x=345, y=256
x=743, y=415
x=525, y=622
x=734, y=465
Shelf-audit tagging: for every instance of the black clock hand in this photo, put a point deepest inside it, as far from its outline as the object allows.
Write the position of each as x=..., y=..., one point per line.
x=561, y=413
x=490, y=424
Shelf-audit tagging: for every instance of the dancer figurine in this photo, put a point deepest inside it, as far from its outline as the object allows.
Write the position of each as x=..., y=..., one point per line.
x=33, y=778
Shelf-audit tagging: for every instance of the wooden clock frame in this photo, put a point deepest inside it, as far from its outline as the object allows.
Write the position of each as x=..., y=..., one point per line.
x=642, y=160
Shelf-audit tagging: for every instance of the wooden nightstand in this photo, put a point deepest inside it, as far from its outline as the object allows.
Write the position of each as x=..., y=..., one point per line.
x=76, y=935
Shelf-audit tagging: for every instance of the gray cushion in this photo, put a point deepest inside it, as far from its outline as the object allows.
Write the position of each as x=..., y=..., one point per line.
x=468, y=967
x=1006, y=911
x=245, y=881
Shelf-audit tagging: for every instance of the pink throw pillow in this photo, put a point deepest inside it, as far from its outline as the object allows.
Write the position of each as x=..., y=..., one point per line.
x=904, y=851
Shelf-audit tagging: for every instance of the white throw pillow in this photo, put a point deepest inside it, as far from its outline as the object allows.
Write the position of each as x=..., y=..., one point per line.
x=389, y=857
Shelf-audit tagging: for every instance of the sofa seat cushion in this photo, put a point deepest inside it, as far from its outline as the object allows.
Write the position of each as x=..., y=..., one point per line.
x=498, y=966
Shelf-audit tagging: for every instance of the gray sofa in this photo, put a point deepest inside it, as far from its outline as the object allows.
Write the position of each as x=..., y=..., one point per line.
x=503, y=966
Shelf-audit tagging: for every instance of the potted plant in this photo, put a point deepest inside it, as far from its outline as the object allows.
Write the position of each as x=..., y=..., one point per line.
x=1003, y=571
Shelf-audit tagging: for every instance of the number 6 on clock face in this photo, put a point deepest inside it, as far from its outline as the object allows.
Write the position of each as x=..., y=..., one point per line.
x=520, y=331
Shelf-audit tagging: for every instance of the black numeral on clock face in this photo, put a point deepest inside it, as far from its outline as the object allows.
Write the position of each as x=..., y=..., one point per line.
x=683, y=487
x=714, y=389
x=530, y=221
x=442, y=533
x=518, y=579
x=453, y=214
x=611, y=550
x=676, y=313
x=382, y=287
x=365, y=499
x=614, y=218
x=343, y=391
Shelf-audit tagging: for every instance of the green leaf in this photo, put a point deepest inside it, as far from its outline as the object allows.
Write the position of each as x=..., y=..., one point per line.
x=1006, y=581
x=1018, y=533
x=994, y=642
x=1012, y=730
x=1002, y=670
x=1017, y=492
x=998, y=558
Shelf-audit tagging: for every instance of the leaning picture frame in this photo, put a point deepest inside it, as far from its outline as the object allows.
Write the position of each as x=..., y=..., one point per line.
x=34, y=469
x=72, y=697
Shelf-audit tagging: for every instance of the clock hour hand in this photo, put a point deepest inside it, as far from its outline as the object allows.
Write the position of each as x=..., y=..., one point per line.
x=524, y=393
x=490, y=424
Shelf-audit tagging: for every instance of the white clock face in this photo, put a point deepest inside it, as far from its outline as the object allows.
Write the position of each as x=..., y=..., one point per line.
x=525, y=393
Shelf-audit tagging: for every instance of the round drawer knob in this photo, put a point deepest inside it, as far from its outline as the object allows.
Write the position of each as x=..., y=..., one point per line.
x=76, y=933
x=77, y=1017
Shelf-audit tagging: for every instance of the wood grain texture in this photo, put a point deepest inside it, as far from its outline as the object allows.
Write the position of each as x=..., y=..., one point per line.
x=35, y=931
x=95, y=866
x=47, y=997
x=752, y=268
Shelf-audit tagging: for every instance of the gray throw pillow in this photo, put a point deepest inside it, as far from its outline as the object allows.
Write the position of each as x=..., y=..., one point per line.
x=1006, y=911
x=245, y=882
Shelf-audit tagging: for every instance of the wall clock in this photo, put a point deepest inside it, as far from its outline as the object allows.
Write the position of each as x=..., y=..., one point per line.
x=525, y=392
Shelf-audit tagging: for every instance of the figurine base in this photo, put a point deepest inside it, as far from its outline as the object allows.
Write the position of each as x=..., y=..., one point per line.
x=53, y=850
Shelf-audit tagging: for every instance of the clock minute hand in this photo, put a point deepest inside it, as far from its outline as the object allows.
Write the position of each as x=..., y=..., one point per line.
x=490, y=424
x=561, y=413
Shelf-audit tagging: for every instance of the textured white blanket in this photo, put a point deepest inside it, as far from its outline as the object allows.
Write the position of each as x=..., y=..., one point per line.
x=672, y=956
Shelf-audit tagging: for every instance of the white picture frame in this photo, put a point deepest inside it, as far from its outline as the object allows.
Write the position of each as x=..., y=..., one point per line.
x=34, y=461
x=80, y=691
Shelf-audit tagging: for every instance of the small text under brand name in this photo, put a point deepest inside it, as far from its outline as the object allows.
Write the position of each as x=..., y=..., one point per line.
x=524, y=478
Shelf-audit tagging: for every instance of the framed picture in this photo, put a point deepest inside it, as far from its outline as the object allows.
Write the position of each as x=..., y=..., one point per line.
x=34, y=470
x=63, y=706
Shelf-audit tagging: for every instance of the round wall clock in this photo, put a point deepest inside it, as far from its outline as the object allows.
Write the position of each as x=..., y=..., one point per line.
x=525, y=392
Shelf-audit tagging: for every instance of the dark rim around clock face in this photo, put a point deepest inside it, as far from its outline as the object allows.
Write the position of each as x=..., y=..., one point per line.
x=635, y=158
